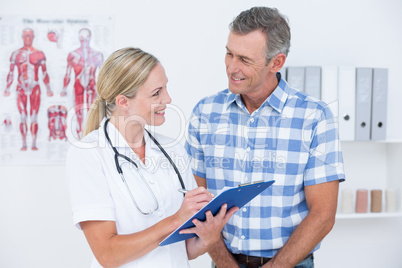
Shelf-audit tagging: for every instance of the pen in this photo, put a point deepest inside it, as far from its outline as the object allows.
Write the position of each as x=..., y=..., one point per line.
x=183, y=191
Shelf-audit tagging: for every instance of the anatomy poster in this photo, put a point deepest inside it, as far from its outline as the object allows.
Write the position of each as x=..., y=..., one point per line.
x=48, y=74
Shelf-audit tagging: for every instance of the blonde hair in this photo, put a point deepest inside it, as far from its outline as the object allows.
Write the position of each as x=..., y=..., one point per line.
x=124, y=71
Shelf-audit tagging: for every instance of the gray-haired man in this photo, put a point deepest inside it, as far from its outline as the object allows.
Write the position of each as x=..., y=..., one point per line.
x=261, y=129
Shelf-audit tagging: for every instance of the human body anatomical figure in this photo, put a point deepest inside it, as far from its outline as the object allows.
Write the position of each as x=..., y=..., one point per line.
x=84, y=61
x=28, y=61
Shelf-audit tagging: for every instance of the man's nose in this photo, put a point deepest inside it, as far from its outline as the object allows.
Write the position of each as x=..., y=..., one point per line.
x=232, y=65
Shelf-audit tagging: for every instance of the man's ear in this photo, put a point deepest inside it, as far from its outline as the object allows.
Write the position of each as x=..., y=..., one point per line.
x=277, y=62
x=122, y=102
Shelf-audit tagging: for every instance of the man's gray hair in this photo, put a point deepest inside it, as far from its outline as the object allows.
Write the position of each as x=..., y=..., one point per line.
x=271, y=22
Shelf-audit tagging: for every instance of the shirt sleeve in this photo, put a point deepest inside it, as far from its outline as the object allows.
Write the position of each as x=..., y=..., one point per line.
x=325, y=162
x=190, y=181
x=89, y=191
x=193, y=144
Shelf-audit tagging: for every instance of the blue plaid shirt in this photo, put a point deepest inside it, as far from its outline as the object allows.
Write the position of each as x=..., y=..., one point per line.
x=291, y=138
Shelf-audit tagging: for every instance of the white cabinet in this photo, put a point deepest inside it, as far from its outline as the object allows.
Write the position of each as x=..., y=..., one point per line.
x=372, y=165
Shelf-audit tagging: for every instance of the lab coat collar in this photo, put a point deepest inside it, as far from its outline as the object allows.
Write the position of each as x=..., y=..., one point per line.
x=118, y=140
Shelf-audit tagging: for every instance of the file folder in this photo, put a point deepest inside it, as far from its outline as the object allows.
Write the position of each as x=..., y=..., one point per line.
x=236, y=196
x=364, y=79
x=312, y=84
x=379, y=104
x=329, y=89
x=295, y=77
x=347, y=102
x=283, y=73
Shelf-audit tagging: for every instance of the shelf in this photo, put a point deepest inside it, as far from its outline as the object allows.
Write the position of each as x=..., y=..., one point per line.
x=367, y=215
x=391, y=140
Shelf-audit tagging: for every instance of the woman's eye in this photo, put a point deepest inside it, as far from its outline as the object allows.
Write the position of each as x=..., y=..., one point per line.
x=156, y=93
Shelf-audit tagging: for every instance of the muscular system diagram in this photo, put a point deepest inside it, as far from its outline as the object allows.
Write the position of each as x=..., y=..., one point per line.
x=84, y=61
x=28, y=61
x=57, y=124
x=7, y=124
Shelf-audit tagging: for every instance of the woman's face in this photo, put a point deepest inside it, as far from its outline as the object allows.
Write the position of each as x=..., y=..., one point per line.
x=149, y=103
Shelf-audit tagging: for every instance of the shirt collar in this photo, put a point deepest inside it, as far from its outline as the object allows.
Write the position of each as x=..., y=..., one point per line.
x=279, y=96
x=276, y=100
x=234, y=98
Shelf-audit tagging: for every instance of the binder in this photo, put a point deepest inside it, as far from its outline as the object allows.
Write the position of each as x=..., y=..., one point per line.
x=379, y=104
x=295, y=77
x=312, y=84
x=364, y=78
x=329, y=89
x=235, y=196
x=347, y=102
x=283, y=73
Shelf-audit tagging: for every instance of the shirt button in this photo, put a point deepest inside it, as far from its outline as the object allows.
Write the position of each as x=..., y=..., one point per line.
x=248, y=149
x=252, y=120
x=160, y=213
x=243, y=237
x=151, y=181
x=244, y=209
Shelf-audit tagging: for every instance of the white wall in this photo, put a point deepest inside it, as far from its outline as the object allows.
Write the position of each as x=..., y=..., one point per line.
x=189, y=38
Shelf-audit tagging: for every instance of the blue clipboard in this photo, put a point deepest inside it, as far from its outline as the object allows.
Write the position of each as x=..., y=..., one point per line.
x=236, y=196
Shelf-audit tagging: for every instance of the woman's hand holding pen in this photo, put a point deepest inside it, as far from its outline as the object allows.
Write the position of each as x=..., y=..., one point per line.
x=209, y=231
x=193, y=201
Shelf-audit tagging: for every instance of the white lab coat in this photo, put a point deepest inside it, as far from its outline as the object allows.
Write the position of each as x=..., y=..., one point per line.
x=98, y=193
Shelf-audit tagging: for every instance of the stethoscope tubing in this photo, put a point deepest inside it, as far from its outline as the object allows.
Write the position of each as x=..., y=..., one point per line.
x=120, y=171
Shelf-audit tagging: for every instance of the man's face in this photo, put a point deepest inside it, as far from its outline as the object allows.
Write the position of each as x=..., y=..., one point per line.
x=27, y=37
x=245, y=61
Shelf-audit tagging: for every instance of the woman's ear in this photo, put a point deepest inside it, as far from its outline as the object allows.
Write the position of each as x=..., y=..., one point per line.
x=122, y=102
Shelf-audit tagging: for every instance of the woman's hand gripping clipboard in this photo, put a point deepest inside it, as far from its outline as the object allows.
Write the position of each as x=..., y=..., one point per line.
x=233, y=197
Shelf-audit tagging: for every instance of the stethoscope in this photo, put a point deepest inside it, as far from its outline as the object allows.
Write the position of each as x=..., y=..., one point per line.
x=120, y=171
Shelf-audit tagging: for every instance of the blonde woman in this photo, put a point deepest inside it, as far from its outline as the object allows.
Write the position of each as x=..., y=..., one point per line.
x=125, y=191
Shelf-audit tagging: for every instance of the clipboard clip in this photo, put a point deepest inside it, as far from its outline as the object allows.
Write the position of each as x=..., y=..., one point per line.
x=249, y=183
